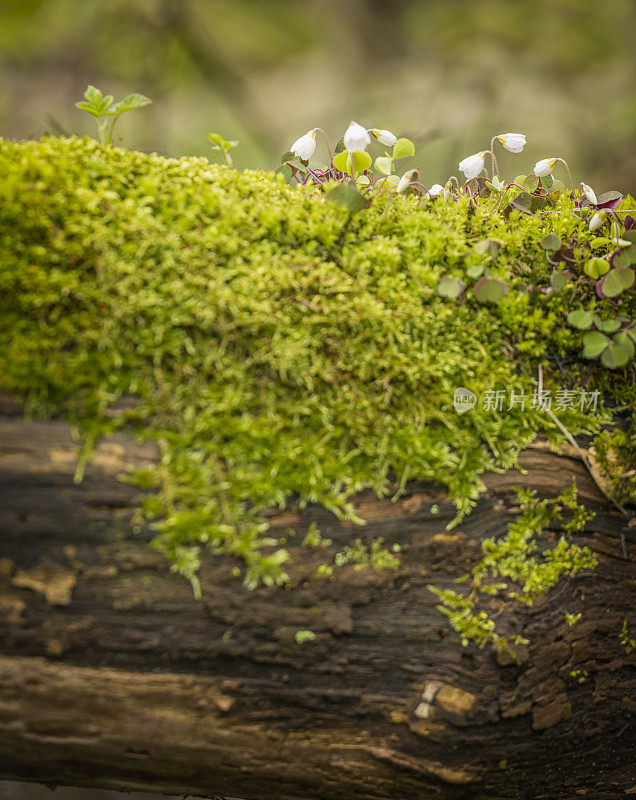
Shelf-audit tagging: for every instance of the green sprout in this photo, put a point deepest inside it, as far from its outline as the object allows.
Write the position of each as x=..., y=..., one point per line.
x=223, y=146
x=107, y=112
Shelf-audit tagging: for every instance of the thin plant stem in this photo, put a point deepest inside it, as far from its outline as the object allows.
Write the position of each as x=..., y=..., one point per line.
x=563, y=161
x=326, y=138
x=495, y=165
x=505, y=192
x=573, y=442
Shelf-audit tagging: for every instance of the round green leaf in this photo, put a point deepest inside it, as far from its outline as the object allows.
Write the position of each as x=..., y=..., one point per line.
x=487, y=247
x=607, y=325
x=361, y=161
x=615, y=356
x=390, y=182
x=475, y=270
x=627, y=257
x=531, y=183
x=547, y=182
x=384, y=164
x=341, y=161
x=594, y=343
x=489, y=290
x=346, y=195
x=523, y=202
x=557, y=186
x=551, y=242
x=559, y=280
x=608, y=197
x=596, y=267
x=402, y=148
x=616, y=281
x=599, y=241
x=623, y=340
x=580, y=319
x=450, y=287
x=286, y=172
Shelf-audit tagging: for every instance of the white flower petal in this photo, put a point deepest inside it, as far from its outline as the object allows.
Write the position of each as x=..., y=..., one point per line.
x=589, y=193
x=385, y=137
x=405, y=180
x=435, y=190
x=305, y=146
x=472, y=166
x=598, y=219
x=356, y=138
x=544, y=167
x=514, y=142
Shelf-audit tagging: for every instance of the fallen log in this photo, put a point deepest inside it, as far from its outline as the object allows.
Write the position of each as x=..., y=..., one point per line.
x=112, y=676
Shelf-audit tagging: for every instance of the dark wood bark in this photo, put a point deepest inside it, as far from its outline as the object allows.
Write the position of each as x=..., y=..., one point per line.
x=111, y=675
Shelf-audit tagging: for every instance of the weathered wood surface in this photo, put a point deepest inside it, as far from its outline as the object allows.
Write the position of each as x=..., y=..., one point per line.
x=111, y=675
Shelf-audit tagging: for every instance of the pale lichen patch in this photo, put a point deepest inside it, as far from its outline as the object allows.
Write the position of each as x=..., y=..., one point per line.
x=49, y=579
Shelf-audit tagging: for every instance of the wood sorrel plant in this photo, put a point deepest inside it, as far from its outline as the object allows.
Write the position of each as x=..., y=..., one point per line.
x=358, y=177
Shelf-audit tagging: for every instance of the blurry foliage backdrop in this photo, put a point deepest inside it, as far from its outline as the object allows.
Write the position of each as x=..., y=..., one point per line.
x=447, y=73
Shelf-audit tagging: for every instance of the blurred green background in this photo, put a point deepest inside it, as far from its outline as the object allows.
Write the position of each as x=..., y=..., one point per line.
x=447, y=73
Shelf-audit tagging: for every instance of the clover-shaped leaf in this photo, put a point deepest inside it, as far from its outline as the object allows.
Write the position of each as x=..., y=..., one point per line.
x=596, y=267
x=580, y=319
x=349, y=197
x=607, y=325
x=384, y=164
x=490, y=290
x=594, y=343
x=450, y=287
x=403, y=148
x=551, y=242
x=616, y=281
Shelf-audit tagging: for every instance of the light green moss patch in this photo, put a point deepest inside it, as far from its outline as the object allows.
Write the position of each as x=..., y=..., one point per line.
x=275, y=346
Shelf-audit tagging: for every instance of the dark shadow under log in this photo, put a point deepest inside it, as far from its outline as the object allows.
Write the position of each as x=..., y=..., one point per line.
x=111, y=675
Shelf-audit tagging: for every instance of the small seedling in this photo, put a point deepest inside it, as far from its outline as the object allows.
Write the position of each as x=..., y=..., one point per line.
x=106, y=112
x=223, y=146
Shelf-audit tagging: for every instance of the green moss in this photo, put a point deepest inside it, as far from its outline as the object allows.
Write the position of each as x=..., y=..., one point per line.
x=526, y=573
x=275, y=346
x=616, y=456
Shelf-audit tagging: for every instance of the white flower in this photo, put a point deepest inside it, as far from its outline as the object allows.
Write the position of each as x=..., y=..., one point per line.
x=472, y=165
x=386, y=138
x=514, y=142
x=356, y=138
x=544, y=167
x=589, y=193
x=598, y=219
x=435, y=190
x=304, y=147
x=405, y=180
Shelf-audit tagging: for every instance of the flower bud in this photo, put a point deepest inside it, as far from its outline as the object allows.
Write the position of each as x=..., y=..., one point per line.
x=589, y=193
x=304, y=147
x=472, y=166
x=405, y=180
x=598, y=219
x=356, y=138
x=514, y=142
x=384, y=137
x=544, y=167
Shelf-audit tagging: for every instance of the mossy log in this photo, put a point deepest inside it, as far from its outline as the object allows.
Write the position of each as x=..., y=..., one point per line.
x=112, y=676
